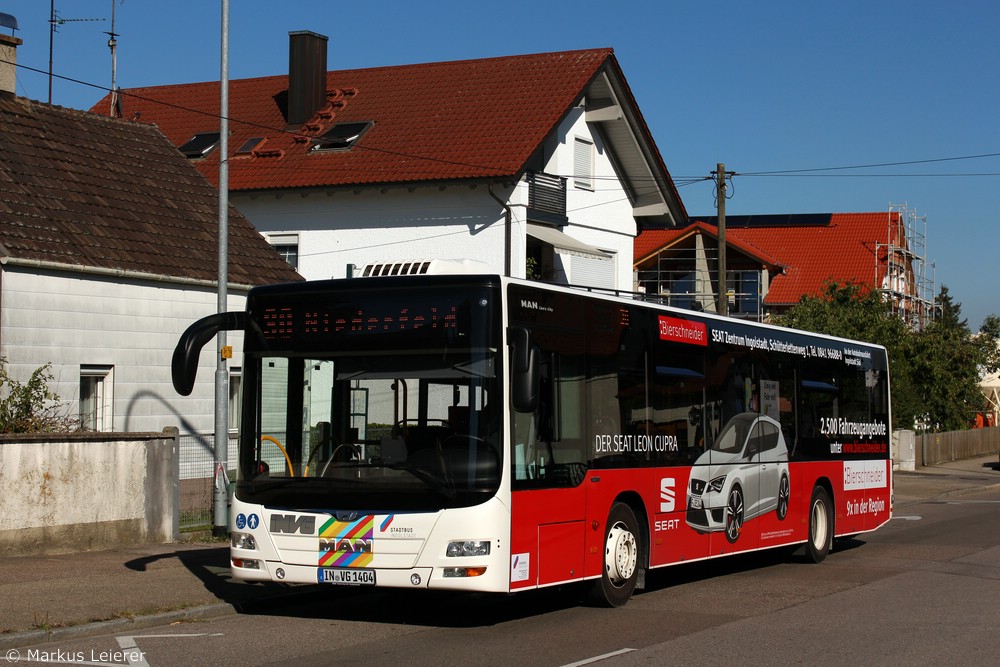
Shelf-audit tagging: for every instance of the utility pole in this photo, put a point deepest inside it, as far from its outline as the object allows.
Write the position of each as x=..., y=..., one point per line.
x=720, y=185
x=221, y=505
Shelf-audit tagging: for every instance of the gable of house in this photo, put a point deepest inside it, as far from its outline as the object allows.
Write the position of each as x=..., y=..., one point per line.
x=801, y=253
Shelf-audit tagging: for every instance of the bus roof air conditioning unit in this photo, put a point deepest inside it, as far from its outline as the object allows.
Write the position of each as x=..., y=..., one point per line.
x=424, y=267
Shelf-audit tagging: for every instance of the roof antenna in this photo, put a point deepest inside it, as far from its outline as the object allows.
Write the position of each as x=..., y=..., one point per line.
x=113, y=45
x=54, y=21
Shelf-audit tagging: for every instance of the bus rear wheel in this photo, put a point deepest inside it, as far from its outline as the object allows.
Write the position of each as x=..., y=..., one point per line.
x=620, y=567
x=820, y=525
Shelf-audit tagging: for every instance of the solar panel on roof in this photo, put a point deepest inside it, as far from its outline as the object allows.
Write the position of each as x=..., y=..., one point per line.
x=771, y=220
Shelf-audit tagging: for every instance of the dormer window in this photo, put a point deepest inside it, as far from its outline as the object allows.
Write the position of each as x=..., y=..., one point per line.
x=199, y=145
x=341, y=137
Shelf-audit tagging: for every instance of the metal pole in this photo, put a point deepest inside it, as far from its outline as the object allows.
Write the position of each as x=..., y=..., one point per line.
x=52, y=34
x=720, y=174
x=220, y=514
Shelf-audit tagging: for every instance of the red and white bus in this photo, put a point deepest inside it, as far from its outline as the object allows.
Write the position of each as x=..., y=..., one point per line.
x=481, y=433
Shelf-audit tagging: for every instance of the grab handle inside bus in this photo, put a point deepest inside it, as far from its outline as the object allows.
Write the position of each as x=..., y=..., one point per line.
x=184, y=364
x=525, y=370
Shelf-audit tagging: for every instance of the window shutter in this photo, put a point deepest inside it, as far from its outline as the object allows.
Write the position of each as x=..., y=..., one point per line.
x=583, y=164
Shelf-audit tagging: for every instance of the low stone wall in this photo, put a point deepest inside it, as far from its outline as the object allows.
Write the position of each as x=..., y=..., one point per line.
x=81, y=491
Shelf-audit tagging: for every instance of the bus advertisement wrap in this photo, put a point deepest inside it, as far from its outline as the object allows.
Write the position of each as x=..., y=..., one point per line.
x=482, y=433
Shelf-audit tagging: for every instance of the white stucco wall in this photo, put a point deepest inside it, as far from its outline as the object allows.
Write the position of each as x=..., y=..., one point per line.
x=343, y=228
x=335, y=228
x=70, y=320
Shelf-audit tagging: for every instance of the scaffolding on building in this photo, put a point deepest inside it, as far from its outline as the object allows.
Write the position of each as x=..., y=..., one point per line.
x=687, y=277
x=902, y=267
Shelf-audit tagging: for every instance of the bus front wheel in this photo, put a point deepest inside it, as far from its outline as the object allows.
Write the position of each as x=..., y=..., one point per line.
x=820, y=525
x=620, y=567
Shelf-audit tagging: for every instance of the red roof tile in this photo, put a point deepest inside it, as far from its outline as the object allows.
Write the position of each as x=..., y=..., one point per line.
x=439, y=121
x=844, y=250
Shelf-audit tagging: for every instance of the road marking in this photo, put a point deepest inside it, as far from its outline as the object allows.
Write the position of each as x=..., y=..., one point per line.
x=598, y=658
x=910, y=517
x=136, y=657
x=971, y=502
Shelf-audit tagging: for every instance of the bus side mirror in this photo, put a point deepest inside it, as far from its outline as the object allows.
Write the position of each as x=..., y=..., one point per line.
x=184, y=364
x=524, y=370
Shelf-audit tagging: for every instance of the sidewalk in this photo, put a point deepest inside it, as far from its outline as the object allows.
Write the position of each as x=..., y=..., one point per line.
x=52, y=598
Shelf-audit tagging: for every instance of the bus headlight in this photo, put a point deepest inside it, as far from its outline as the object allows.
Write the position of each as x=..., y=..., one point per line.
x=243, y=541
x=468, y=548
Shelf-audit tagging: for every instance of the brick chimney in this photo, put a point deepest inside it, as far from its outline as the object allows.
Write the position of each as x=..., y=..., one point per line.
x=8, y=68
x=306, y=75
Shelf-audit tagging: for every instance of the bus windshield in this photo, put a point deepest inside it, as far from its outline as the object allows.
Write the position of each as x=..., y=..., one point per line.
x=411, y=424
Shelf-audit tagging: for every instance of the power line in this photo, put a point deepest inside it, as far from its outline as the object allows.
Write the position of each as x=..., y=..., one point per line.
x=870, y=166
x=678, y=181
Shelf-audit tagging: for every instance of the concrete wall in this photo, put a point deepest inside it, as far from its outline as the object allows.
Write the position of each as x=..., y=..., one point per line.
x=80, y=491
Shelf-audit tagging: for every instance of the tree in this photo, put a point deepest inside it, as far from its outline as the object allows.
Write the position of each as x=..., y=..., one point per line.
x=31, y=407
x=935, y=372
x=989, y=342
x=947, y=361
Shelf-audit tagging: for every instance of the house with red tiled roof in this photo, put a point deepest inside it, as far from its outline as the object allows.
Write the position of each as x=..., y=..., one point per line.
x=108, y=251
x=539, y=164
x=772, y=261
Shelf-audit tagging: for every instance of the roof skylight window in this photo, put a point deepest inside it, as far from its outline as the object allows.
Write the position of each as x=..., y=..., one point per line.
x=249, y=145
x=199, y=145
x=341, y=136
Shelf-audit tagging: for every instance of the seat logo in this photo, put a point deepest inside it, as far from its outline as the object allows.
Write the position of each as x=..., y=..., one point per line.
x=667, y=495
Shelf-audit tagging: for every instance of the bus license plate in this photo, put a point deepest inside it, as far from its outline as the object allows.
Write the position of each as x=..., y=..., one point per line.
x=347, y=577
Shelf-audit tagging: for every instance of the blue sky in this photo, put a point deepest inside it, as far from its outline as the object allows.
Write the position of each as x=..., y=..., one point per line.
x=759, y=86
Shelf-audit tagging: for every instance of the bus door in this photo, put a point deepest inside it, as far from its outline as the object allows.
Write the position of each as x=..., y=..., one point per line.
x=548, y=493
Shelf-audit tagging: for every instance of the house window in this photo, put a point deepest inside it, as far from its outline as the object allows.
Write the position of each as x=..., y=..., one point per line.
x=289, y=253
x=96, y=397
x=583, y=164
x=235, y=382
x=286, y=245
x=341, y=136
x=744, y=286
x=199, y=145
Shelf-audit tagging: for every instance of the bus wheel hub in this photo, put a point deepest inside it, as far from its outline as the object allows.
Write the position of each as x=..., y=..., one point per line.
x=621, y=554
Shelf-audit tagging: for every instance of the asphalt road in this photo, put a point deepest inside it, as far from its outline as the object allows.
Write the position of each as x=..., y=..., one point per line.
x=922, y=590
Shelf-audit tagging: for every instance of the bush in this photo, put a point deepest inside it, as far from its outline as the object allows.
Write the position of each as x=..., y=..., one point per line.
x=32, y=407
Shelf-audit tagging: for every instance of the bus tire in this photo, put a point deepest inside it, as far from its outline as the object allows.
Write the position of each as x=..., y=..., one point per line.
x=820, y=525
x=620, y=564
